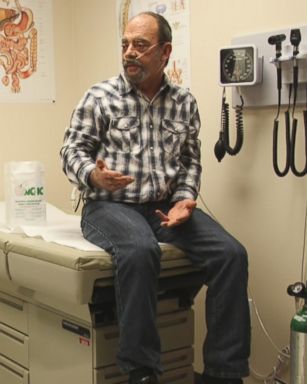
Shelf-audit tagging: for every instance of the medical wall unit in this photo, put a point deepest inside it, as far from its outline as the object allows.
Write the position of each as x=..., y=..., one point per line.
x=267, y=70
x=58, y=320
x=264, y=93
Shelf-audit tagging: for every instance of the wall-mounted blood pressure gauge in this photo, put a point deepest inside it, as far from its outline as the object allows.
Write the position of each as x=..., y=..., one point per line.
x=238, y=65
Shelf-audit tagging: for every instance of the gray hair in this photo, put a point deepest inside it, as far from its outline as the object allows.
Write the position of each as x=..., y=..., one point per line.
x=164, y=29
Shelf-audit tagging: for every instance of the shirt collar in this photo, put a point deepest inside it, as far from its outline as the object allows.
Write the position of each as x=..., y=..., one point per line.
x=126, y=86
x=176, y=93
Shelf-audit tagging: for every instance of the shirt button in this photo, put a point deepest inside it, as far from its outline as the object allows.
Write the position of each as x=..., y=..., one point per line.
x=151, y=148
x=151, y=126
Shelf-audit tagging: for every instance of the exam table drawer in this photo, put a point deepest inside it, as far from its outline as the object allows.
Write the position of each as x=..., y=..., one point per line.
x=169, y=325
x=14, y=312
x=14, y=345
x=11, y=373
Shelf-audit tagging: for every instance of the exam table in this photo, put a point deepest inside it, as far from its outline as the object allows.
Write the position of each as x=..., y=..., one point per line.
x=58, y=318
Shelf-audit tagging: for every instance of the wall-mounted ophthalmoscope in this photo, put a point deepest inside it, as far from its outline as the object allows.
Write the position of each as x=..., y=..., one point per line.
x=290, y=126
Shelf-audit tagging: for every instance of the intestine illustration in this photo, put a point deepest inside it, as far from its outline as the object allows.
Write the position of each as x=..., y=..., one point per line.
x=18, y=44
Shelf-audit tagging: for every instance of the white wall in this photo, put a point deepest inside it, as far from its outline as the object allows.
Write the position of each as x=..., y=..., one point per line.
x=265, y=212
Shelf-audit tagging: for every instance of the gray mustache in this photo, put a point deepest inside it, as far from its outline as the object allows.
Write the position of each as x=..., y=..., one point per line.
x=132, y=62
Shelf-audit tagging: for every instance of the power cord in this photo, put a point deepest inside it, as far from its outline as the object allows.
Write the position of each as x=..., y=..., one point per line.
x=303, y=271
x=74, y=200
x=273, y=377
x=284, y=353
x=283, y=356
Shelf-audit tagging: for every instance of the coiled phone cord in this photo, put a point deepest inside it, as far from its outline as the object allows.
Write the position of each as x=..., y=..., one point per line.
x=223, y=144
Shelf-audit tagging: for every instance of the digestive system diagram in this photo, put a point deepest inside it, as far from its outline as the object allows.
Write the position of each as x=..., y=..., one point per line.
x=18, y=44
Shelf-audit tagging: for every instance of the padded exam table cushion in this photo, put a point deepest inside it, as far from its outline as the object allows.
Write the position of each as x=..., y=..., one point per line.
x=65, y=272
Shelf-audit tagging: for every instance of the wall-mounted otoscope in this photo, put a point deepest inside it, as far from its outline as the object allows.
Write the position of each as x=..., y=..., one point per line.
x=277, y=41
x=290, y=127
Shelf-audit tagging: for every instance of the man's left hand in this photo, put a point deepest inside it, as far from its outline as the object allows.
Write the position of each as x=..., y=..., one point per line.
x=180, y=213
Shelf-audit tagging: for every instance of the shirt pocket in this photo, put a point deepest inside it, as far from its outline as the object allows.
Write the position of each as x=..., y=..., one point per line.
x=124, y=134
x=173, y=135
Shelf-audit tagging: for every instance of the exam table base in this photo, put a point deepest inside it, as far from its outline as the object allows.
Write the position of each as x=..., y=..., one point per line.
x=41, y=345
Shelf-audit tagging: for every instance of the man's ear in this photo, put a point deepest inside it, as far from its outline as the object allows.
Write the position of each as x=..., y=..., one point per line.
x=167, y=50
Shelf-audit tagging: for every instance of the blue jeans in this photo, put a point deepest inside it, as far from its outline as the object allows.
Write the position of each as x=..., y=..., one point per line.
x=130, y=233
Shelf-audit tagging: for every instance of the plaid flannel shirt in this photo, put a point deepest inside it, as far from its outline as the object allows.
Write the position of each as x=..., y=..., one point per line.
x=155, y=142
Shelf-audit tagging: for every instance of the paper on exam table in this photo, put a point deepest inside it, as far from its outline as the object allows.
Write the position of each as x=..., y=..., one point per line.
x=3, y=227
x=60, y=228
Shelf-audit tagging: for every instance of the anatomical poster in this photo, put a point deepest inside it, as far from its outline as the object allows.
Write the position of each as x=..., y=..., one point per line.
x=26, y=51
x=177, y=13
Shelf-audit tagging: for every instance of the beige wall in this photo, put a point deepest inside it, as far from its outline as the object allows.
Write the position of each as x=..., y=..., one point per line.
x=265, y=212
x=34, y=131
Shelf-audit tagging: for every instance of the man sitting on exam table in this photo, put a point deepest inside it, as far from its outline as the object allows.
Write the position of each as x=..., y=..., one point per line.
x=132, y=148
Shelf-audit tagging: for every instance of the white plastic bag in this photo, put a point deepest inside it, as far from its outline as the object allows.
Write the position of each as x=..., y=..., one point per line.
x=24, y=193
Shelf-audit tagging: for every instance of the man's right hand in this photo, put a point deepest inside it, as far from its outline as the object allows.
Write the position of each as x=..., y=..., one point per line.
x=103, y=178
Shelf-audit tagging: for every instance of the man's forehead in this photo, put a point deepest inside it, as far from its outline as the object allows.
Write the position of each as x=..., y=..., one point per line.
x=142, y=26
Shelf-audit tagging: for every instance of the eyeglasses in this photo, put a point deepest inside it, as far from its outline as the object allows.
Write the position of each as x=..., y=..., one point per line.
x=138, y=45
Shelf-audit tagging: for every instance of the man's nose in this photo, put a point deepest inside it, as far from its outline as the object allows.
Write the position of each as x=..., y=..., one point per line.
x=130, y=51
